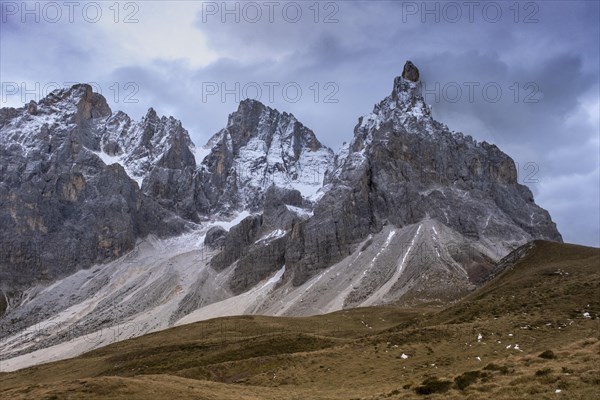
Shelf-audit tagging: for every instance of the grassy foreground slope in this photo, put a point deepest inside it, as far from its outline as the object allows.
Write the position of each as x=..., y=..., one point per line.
x=531, y=332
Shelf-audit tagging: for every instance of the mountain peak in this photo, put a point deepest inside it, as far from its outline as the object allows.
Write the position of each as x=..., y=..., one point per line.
x=79, y=99
x=77, y=92
x=255, y=119
x=151, y=116
x=407, y=87
x=259, y=147
x=405, y=107
x=252, y=108
x=410, y=72
x=250, y=103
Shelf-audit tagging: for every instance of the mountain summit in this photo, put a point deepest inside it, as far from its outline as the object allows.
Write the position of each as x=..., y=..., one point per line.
x=260, y=147
x=65, y=204
x=450, y=205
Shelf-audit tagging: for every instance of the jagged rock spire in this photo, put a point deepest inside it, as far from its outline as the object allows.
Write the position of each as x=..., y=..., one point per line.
x=407, y=88
x=410, y=72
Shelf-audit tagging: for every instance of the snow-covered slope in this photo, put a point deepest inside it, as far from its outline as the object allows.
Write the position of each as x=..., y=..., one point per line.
x=259, y=148
x=139, y=145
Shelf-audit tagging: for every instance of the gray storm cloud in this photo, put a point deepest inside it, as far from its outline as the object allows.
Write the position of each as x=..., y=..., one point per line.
x=543, y=56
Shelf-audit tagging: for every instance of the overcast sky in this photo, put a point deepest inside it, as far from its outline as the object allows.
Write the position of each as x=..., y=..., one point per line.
x=524, y=76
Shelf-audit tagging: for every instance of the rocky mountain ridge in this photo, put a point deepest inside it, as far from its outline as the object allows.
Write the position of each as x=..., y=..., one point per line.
x=61, y=206
x=401, y=168
x=75, y=176
x=262, y=219
x=260, y=147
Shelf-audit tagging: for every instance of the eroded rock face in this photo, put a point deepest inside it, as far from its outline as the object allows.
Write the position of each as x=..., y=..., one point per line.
x=259, y=148
x=80, y=185
x=237, y=241
x=62, y=208
x=158, y=153
x=402, y=168
x=410, y=72
x=215, y=237
x=258, y=244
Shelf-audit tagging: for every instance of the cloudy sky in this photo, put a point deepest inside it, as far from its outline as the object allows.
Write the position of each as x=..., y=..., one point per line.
x=524, y=75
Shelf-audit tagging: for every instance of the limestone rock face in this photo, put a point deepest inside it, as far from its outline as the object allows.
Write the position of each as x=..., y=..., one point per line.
x=403, y=168
x=259, y=148
x=256, y=247
x=215, y=237
x=406, y=211
x=237, y=240
x=410, y=72
x=80, y=185
x=61, y=206
x=158, y=153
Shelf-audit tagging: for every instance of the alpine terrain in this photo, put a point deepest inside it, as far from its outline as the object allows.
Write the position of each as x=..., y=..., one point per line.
x=113, y=228
x=509, y=339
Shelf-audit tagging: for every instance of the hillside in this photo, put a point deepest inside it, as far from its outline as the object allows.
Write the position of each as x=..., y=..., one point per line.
x=541, y=281
x=530, y=332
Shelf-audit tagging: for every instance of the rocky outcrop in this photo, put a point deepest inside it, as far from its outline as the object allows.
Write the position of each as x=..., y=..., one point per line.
x=237, y=241
x=403, y=167
x=158, y=153
x=410, y=72
x=215, y=237
x=61, y=206
x=258, y=244
x=259, y=148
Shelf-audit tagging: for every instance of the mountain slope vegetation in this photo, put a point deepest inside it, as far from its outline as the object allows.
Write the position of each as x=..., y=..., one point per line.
x=530, y=332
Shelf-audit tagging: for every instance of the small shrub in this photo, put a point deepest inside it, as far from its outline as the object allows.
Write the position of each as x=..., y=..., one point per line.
x=548, y=355
x=533, y=390
x=543, y=372
x=503, y=369
x=433, y=385
x=407, y=386
x=468, y=378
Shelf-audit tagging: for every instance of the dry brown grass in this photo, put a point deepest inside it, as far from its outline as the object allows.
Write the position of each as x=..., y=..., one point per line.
x=356, y=354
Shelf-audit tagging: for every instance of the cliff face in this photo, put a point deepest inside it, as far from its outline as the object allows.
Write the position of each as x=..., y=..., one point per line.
x=61, y=206
x=158, y=153
x=403, y=168
x=259, y=148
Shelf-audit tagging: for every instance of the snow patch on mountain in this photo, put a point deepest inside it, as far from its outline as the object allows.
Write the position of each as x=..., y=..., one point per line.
x=300, y=211
x=139, y=145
